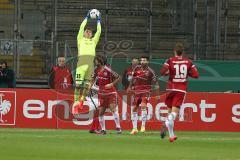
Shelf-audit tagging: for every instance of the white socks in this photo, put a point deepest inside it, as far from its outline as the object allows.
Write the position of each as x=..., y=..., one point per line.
x=102, y=122
x=144, y=117
x=170, y=123
x=134, y=119
x=116, y=119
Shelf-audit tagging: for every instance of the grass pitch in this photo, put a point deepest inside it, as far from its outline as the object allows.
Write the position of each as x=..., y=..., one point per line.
x=44, y=144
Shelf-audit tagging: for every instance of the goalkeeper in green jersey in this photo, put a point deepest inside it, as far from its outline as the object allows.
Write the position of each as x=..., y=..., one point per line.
x=86, y=52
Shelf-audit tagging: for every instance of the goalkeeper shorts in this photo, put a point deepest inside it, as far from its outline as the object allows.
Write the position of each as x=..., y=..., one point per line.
x=85, y=68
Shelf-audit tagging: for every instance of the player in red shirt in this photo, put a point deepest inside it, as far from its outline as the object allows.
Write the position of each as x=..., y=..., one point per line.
x=178, y=68
x=127, y=75
x=144, y=79
x=107, y=94
x=93, y=99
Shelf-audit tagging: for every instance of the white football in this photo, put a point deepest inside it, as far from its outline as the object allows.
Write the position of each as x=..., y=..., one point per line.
x=94, y=13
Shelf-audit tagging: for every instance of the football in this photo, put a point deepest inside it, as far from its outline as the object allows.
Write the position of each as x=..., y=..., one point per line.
x=94, y=13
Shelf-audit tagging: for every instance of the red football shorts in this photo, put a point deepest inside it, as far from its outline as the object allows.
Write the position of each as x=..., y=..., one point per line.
x=175, y=98
x=140, y=98
x=106, y=99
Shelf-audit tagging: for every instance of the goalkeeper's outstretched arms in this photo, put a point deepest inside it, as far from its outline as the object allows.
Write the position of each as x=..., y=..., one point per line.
x=82, y=26
x=99, y=29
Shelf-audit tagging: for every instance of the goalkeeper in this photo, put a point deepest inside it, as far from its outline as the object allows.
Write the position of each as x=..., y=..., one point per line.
x=86, y=53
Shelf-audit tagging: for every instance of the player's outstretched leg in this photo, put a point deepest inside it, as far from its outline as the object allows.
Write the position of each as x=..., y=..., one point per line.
x=86, y=88
x=163, y=130
x=76, y=101
x=144, y=119
x=102, y=124
x=134, y=122
x=117, y=122
x=170, y=125
x=102, y=120
x=79, y=100
x=113, y=108
x=95, y=125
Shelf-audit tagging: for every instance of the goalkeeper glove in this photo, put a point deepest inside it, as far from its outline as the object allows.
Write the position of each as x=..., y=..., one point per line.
x=99, y=17
x=88, y=15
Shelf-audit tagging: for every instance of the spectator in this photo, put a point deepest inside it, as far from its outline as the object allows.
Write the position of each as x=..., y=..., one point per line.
x=60, y=76
x=7, y=77
x=128, y=72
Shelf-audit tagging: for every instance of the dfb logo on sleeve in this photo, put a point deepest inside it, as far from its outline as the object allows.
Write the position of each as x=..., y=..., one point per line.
x=7, y=107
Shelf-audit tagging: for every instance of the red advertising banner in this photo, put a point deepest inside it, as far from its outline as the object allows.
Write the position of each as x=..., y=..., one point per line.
x=43, y=108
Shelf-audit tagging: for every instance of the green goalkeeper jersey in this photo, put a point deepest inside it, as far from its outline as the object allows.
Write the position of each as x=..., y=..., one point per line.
x=87, y=46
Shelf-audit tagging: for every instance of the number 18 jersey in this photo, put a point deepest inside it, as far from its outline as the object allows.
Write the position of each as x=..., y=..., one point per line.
x=179, y=69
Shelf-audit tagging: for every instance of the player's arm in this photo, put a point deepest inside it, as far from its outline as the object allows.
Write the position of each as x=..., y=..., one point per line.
x=51, y=77
x=133, y=74
x=70, y=76
x=130, y=83
x=116, y=80
x=154, y=81
x=93, y=79
x=116, y=77
x=165, y=69
x=155, y=85
x=82, y=26
x=99, y=30
x=156, y=90
x=130, y=86
x=193, y=72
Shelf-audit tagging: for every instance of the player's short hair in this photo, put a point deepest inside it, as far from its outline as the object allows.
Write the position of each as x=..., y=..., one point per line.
x=61, y=56
x=101, y=59
x=89, y=28
x=179, y=48
x=135, y=58
x=145, y=57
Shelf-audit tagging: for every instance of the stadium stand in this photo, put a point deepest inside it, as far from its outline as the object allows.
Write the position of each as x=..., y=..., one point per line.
x=152, y=27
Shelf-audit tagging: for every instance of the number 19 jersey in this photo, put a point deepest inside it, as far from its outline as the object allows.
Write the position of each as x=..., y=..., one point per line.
x=179, y=69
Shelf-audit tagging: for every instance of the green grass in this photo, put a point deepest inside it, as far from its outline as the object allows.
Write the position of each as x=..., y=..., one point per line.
x=41, y=144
